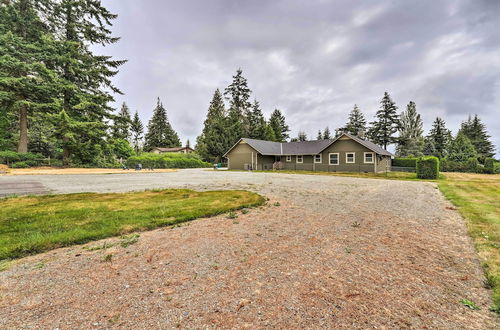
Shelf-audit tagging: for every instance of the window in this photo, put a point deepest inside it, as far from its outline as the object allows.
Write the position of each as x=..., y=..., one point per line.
x=369, y=157
x=288, y=158
x=317, y=159
x=333, y=158
x=300, y=159
x=350, y=157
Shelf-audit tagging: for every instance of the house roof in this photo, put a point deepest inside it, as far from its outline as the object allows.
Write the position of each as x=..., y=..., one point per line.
x=172, y=149
x=304, y=147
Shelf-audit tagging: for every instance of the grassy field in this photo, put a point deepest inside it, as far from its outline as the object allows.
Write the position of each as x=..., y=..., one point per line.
x=31, y=225
x=477, y=197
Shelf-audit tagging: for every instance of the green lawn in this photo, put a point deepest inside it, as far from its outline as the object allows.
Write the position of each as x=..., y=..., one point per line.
x=31, y=225
x=477, y=197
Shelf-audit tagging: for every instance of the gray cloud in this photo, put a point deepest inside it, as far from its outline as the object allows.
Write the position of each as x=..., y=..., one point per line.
x=312, y=59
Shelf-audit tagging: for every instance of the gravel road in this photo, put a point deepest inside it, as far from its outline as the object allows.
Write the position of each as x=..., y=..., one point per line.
x=325, y=252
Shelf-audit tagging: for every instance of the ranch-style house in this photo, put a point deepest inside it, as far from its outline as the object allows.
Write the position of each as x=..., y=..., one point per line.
x=346, y=153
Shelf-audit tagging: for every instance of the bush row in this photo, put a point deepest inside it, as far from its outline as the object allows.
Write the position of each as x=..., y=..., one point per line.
x=471, y=166
x=427, y=168
x=167, y=160
x=9, y=157
x=404, y=162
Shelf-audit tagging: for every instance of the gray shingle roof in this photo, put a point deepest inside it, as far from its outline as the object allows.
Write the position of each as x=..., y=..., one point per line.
x=305, y=147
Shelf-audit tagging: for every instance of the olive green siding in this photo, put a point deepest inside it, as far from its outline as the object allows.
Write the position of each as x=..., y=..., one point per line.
x=240, y=157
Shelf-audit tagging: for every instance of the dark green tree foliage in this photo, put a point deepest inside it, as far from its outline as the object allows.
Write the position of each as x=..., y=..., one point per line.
x=137, y=129
x=302, y=136
x=440, y=137
x=188, y=144
x=121, y=124
x=269, y=133
x=386, y=124
x=256, y=122
x=410, y=141
x=429, y=149
x=326, y=134
x=461, y=149
x=214, y=140
x=320, y=135
x=427, y=167
x=475, y=130
x=238, y=95
x=26, y=78
x=356, y=124
x=279, y=126
x=160, y=132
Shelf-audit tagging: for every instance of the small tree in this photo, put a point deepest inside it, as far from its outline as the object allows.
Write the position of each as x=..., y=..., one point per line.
x=279, y=126
x=122, y=122
x=461, y=149
x=440, y=137
x=160, y=132
x=356, y=124
x=410, y=141
x=475, y=130
x=302, y=136
x=386, y=123
x=326, y=134
x=137, y=130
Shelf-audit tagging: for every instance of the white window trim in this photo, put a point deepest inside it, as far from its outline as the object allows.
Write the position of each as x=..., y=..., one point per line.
x=353, y=157
x=373, y=157
x=301, y=159
x=288, y=159
x=320, y=159
x=330, y=159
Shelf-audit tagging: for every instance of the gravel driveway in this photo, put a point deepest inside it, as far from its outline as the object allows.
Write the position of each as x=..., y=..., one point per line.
x=325, y=252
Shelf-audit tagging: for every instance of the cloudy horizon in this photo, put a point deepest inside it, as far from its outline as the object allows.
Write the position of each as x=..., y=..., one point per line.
x=313, y=62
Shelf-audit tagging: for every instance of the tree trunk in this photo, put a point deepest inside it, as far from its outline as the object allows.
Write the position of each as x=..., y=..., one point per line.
x=23, y=129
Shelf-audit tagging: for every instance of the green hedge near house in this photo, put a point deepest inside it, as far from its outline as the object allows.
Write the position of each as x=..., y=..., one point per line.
x=167, y=160
x=428, y=168
x=404, y=162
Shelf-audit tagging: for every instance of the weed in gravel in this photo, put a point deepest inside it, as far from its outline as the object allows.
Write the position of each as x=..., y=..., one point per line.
x=232, y=215
x=39, y=265
x=107, y=258
x=4, y=265
x=114, y=319
x=235, y=222
x=277, y=204
x=245, y=211
x=356, y=224
x=105, y=245
x=129, y=240
x=348, y=250
x=470, y=304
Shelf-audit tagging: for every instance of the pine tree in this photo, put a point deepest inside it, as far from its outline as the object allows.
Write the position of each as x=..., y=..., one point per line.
x=188, y=144
x=279, y=126
x=122, y=123
x=238, y=95
x=320, y=135
x=302, y=136
x=326, y=134
x=137, y=129
x=410, y=141
x=386, y=124
x=461, y=149
x=429, y=149
x=269, y=134
x=440, y=137
x=257, y=123
x=356, y=124
x=475, y=130
x=160, y=132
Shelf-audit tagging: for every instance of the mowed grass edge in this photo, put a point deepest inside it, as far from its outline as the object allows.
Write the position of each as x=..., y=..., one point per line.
x=30, y=225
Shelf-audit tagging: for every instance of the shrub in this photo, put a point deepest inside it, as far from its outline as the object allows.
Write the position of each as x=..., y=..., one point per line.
x=489, y=165
x=167, y=160
x=20, y=165
x=473, y=165
x=496, y=168
x=8, y=157
x=428, y=168
x=452, y=166
x=405, y=162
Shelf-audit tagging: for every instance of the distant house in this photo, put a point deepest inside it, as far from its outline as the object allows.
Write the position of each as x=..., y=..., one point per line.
x=183, y=150
x=346, y=153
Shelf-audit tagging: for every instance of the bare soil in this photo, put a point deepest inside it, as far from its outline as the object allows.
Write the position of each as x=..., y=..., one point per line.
x=325, y=252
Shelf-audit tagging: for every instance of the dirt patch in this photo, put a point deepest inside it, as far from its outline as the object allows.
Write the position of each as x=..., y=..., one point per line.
x=325, y=252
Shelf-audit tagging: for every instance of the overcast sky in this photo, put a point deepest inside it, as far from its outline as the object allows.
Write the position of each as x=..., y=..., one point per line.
x=312, y=59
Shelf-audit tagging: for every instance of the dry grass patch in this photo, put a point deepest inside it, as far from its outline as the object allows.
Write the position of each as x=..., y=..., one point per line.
x=30, y=225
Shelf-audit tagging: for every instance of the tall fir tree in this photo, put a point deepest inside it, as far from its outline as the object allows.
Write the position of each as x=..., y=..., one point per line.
x=440, y=137
x=320, y=135
x=269, y=134
x=461, y=149
x=279, y=126
x=475, y=130
x=137, y=130
x=214, y=140
x=160, y=132
x=410, y=141
x=326, y=134
x=188, y=144
x=238, y=95
x=386, y=124
x=256, y=122
x=122, y=123
x=356, y=124
x=302, y=136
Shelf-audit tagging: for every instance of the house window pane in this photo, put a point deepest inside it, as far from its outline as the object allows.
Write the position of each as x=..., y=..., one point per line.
x=300, y=159
x=317, y=158
x=334, y=159
x=368, y=158
x=350, y=157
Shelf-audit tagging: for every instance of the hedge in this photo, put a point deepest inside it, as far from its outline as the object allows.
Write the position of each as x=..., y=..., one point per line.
x=427, y=168
x=489, y=165
x=167, y=160
x=404, y=162
x=8, y=157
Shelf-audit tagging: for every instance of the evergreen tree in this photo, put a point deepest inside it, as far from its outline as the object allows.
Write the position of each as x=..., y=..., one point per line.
x=122, y=123
x=320, y=135
x=269, y=134
x=302, y=136
x=461, y=149
x=410, y=141
x=386, y=123
x=279, y=126
x=188, y=144
x=429, y=149
x=214, y=141
x=356, y=124
x=160, y=132
x=256, y=121
x=440, y=137
x=326, y=134
x=475, y=130
x=137, y=129
x=238, y=95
